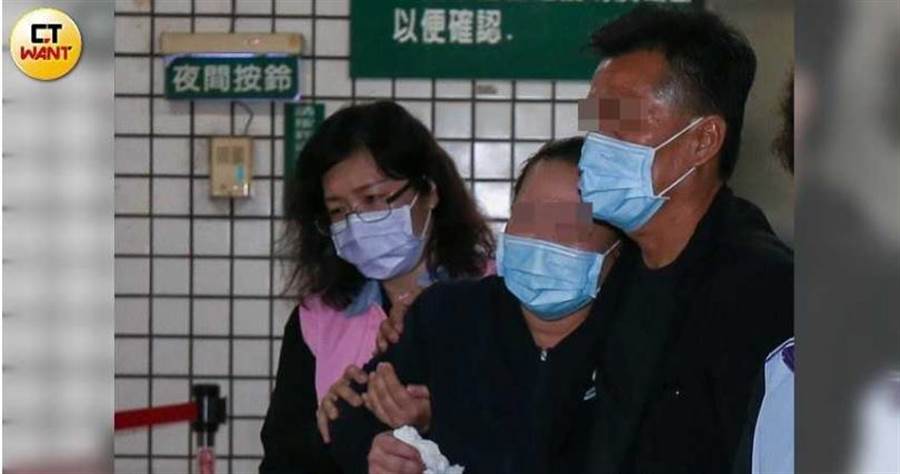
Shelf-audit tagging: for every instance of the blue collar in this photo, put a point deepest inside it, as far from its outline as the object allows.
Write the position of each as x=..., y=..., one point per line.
x=371, y=294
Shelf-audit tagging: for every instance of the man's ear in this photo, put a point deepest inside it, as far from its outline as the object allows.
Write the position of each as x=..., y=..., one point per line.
x=709, y=137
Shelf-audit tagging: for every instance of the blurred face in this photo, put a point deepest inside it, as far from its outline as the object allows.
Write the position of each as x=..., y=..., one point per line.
x=358, y=185
x=549, y=208
x=625, y=103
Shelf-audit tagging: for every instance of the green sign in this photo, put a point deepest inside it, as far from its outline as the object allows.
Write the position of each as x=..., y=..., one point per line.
x=300, y=122
x=232, y=76
x=498, y=39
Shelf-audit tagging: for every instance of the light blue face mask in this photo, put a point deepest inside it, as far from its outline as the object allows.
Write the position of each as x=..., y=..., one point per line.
x=617, y=179
x=550, y=280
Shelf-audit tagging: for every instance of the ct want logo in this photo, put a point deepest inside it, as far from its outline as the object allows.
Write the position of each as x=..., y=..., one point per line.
x=45, y=44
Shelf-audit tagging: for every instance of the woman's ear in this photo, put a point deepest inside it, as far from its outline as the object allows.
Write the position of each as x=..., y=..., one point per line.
x=433, y=196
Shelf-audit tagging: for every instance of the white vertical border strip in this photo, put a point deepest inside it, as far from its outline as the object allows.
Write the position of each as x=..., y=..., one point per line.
x=1, y=247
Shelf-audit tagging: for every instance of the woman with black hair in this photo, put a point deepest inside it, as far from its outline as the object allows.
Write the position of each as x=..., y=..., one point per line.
x=374, y=212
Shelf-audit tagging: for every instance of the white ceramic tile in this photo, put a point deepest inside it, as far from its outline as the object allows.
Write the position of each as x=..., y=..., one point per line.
x=461, y=153
x=132, y=235
x=534, y=90
x=172, y=440
x=212, y=6
x=494, y=199
x=212, y=118
x=523, y=151
x=333, y=78
x=254, y=6
x=211, y=276
x=204, y=204
x=171, y=116
x=132, y=195
x=246, y=465
x=262, y=156
x=132, y=155
x=493, y=89
x=211, y=316
x=171, y=6
x=131, y=465
x=533, y=121
x=130, y=442
x=170, y=390
x=492, y=160
x=451, y=88
x=171, y=155
x=567, y=121
x=211, y=236
x=493, y=120
x=253, y=25
x=170, y=356
x=278, y=198
x=136, y=6
x=572, y=90
x=252, y=237
x=171, y=196
x=420, y=110
x=377, y=88
x=297, y=25
x=159, y=76
x=283, y=309
x=246, y=438
x=132, y=34
x=251, y=317
x=132, y=315
x=293, y=7
x=261, y=122
x=251, y=397
x=251, y=357
x=259, y=203
x=169, y=465
x=251, y=277
x=212, y=24
x=332, y=106
x=170, y=24
x=201, y=156
x=210, y=357
x=131, y=393
x=413, y=88
x=333, y=7
x=131, y=77
x=132, y=275
x=332, y=37
x=170, y=275
x=453, y=119
x=132, y=115
x=170, y=315
x=131, y=355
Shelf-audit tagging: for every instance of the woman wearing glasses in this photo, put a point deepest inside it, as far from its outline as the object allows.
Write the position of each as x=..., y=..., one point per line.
x=375, y=212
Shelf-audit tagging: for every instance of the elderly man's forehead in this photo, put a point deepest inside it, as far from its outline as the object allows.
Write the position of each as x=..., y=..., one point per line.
x=552, y=212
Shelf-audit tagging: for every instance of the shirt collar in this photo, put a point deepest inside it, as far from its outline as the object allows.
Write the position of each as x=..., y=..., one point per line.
x=371, y=294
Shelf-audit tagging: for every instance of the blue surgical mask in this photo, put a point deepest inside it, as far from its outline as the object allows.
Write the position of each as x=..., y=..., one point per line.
x=381, y=248
x=617, y=179
x=550, y=280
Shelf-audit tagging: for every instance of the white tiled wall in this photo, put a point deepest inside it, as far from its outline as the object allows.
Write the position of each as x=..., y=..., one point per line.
x=196, y=287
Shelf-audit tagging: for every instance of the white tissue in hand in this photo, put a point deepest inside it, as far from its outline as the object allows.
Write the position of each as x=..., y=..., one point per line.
x=435, y=462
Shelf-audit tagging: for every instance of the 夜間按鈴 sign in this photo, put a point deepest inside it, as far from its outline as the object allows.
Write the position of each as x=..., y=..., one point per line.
x=232, y=76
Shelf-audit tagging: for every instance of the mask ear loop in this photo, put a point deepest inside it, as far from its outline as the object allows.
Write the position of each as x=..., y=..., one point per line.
x=662, y=194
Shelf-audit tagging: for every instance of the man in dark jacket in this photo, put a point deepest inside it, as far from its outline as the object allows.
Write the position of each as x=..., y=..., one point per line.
x=707, y=288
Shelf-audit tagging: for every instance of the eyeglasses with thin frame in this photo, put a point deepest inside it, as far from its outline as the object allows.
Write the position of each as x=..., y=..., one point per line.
x=378, y=210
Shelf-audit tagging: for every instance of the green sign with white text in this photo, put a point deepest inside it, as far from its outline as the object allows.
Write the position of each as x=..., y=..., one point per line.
x=221, y=76
x=300, y=122
x=487, y=39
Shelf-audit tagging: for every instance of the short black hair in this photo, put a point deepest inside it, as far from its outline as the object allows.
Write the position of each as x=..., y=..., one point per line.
x=461, y=242
x=567, y=150
x=711, y=64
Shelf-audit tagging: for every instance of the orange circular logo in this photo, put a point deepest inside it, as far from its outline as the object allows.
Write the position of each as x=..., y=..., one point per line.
x=45, y=44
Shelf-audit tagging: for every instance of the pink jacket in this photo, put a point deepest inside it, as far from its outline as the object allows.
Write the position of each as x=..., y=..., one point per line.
x=338, y=338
